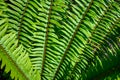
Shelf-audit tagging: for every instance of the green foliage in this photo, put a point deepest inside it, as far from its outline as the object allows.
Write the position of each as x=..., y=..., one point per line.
x=60, y=39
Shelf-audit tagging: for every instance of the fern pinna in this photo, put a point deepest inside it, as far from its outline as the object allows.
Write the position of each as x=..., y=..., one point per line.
x=60, y=39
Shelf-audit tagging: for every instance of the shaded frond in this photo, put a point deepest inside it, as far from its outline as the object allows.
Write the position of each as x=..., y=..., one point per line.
x=89, y=30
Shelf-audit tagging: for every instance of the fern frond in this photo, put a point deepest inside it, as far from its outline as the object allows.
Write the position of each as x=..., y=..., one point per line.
x=3, y=19
x=15, y=59
x=22, y=20
x=44, y=38
x=74, y=22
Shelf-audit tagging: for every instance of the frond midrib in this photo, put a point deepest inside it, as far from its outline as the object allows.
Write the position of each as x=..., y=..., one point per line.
x=46, y=37
x=21, y=21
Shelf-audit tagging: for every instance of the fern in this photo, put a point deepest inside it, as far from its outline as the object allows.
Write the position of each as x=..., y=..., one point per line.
x=60, y=39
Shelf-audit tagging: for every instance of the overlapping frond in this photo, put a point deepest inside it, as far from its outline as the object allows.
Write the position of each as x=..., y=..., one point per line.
x=15, y=59
x=93, y=46
x=94, y=27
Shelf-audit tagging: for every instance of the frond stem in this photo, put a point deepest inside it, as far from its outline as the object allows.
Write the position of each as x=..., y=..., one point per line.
x=21, y=21
x=46, y=37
